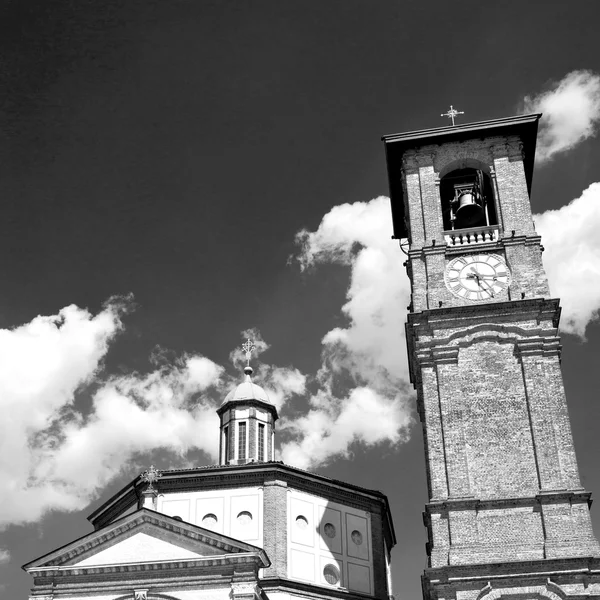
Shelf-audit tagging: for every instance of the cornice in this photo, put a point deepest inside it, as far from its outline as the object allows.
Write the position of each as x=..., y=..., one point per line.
x=248, y=402
x=136, y=567
x=506, y=239
x=519, y=570
x=494, y=313
x=472, y=503
x=310, y=590
x=251, y=474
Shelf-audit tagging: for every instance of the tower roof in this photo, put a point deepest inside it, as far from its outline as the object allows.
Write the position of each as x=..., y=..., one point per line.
x=396, y=145
x=247, y=390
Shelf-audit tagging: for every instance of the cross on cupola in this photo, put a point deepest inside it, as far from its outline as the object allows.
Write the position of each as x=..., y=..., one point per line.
x=248, y=347
x=452, y=113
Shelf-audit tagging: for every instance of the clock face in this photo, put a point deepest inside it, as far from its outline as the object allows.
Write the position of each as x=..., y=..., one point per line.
x=477, y=276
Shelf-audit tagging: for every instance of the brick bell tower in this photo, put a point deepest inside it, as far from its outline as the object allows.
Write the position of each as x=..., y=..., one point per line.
x=507, y=515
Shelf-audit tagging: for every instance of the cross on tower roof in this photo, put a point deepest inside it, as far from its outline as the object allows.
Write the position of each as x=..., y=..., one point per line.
x=452, y=113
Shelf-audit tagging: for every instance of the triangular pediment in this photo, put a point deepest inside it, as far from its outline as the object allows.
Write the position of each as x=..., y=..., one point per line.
x=146, y=536
x=147, y=547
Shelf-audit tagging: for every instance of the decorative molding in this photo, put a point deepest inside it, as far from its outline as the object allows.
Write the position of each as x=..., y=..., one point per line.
x=165, y=565
x=430, y=357
x=525, y=592
x=442, y=505
x=236, y=552
x=140, y=594
x=537, y=346
x=244, y=589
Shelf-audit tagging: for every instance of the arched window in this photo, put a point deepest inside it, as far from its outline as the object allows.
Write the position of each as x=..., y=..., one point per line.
x=467, y=199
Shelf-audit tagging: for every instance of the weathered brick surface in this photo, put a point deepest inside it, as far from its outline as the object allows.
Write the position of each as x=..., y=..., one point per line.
x=379, y=567
x=275, y=527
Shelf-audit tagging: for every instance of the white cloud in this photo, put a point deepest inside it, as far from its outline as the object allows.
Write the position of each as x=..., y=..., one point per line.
x=4, y=556
x=371, y=347
x=363, y=381
x=571, y=110
x=333, y=424
x=281, y=383
x=52, y=455
x=572, y=258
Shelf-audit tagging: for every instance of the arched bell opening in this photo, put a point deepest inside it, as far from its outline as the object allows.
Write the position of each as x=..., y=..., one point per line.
x=467, y=199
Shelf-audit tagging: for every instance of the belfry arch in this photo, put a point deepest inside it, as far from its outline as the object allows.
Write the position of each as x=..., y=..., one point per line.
x=467, y=195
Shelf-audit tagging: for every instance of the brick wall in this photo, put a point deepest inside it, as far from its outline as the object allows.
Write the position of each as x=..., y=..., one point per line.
x=275, y=527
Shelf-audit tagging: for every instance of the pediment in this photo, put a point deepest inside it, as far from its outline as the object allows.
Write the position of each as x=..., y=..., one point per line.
x=146, y=536
x=146, y=546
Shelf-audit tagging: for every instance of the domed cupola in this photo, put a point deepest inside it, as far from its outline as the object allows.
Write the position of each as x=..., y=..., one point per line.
x=247, y=422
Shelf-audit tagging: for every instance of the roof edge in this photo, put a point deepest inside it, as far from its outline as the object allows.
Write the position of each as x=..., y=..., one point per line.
x=142, y=515
x=464, y=128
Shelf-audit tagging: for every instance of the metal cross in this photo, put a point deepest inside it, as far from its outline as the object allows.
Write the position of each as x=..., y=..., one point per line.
x=452, y=113
x=248, y=348
x=151, y=476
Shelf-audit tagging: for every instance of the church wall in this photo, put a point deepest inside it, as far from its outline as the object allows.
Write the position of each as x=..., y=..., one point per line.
x=497, y=436
x=324, y=534
x=237, y=513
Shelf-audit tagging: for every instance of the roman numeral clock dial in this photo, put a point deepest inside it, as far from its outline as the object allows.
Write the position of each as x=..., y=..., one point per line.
x=477, y=277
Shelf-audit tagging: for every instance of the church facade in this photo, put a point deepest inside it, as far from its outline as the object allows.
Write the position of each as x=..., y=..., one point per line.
x=507, y=516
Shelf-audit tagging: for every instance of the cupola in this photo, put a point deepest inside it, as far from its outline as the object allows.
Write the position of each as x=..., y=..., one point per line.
x=247, y=422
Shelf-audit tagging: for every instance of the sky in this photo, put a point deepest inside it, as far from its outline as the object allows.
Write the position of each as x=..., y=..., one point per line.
x=175, y=176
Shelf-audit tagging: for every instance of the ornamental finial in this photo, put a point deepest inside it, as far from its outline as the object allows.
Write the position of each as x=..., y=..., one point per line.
x=248, y=347
x=151, y=476
x=452, y=113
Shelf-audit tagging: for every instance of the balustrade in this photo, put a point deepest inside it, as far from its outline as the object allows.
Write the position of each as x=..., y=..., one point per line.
x=473, y=235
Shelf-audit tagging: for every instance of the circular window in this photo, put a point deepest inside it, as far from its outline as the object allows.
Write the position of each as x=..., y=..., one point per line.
x=244, y=518
x=209, y=520
x=356, y=537
x=329, y=530
x=301, y=522
x=331, y=574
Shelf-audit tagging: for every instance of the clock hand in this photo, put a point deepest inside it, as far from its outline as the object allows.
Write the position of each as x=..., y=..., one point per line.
x=487, y=287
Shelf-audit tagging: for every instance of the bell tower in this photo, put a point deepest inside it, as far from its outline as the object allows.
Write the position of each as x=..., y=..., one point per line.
x=507, y=515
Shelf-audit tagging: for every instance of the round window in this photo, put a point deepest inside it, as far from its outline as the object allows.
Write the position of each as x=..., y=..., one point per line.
x=209, y=520
x=329, y=530
x=356, y=537
x=301, y=522
x=331, y=574
x=244, y=518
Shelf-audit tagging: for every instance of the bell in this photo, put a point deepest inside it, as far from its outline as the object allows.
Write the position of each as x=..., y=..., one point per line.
x=469, y=213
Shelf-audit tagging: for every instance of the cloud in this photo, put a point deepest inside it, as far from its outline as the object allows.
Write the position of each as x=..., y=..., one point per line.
x=571, y=110
x=4, y=556
x=333, y=425
x=371, y=347
x=363, y=384
x=54, y=455
x=572, y=258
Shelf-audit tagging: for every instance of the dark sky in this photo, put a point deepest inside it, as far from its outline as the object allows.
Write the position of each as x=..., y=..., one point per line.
x=173, y=150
